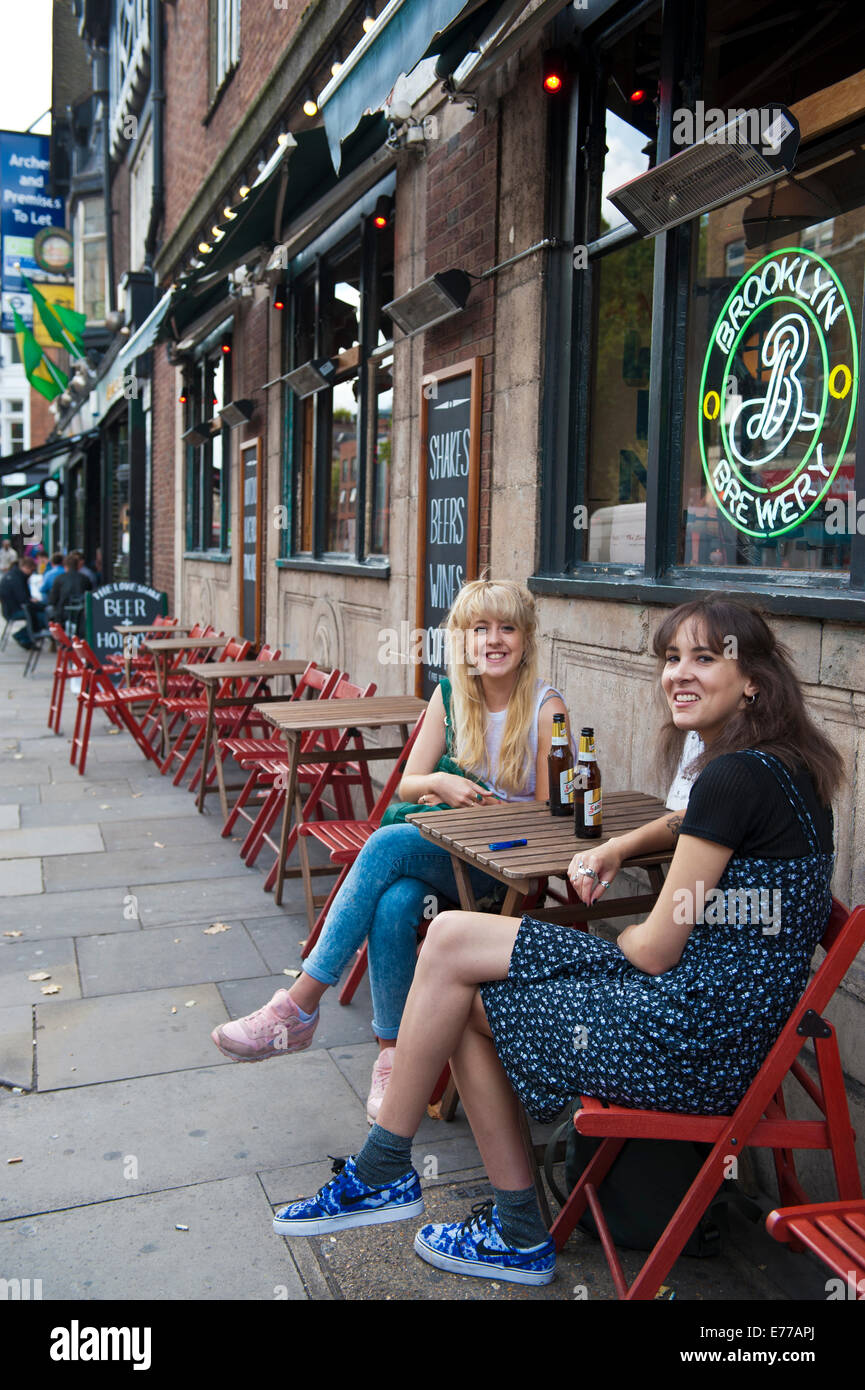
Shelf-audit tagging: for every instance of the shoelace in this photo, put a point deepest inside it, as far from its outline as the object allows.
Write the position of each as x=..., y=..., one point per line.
x=481, y=1218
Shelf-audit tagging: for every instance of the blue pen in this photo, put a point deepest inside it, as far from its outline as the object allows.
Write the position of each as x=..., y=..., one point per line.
x=508, y=844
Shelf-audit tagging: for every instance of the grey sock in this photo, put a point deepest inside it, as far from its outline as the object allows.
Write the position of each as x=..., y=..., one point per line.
x=520, y=1218
x=383, y=1158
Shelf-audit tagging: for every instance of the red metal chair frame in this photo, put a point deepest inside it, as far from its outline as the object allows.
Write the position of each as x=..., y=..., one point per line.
x=99, y=692
x=66, y=666
x=234, y=718
x=760, y=1121
x=185, y=707
x=252, y=753
x=833, y=1231
x=345, y=839
x=330, y=776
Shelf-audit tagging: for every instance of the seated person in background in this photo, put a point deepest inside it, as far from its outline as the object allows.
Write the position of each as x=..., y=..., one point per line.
x=677, y=1015
x=501, y=716
x=68, y=590
x=53, y=570
x=16, y=599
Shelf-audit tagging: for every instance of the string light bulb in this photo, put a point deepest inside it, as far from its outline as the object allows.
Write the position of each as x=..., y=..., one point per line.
x=368, y=19
x=310, y=105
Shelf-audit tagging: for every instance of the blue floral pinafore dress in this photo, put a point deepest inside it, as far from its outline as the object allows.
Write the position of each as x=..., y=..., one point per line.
x=575, y=1017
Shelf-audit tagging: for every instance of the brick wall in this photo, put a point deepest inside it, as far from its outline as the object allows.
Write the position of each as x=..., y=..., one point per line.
x=462, y=179
x=192, y=149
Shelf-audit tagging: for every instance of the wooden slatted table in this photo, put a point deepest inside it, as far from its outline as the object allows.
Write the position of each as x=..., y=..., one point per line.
x=211, y=675
x=468, y=832
x=128, y=631
x=163, y=649
x=299, y=717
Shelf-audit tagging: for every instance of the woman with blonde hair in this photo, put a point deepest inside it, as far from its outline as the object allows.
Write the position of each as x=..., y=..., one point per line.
x=492, y=718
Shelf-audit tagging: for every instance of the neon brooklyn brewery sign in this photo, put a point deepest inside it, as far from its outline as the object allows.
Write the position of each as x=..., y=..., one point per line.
x=778, y=393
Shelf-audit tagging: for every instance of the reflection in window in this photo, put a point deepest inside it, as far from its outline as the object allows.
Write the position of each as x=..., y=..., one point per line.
x=615, y=492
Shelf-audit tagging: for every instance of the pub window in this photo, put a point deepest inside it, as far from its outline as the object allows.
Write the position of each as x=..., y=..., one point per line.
x=224, y=41
x=208, y=481
x=709, y=432
x=337, y=475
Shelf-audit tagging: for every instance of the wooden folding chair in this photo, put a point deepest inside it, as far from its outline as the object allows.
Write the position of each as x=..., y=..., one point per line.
x=346, y=838
x=251, y=753
x=333, y=777
x=99, y=692
x=833, y=1231
x=66, y=666
x=185, y=707
x=760, y=1121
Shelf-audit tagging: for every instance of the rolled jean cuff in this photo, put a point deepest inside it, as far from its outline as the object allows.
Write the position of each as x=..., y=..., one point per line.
x=316, y=972
x=386, y=1034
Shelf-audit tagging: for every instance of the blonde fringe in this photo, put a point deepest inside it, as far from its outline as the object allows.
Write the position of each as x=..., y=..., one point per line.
x=507, y=602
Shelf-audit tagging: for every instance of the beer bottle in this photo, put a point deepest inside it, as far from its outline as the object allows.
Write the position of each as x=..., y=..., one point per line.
x=587, y=790
x=561, y=772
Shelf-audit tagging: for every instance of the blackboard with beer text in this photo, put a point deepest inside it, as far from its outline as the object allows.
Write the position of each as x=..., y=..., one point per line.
x=123, y=602
x=448, y=490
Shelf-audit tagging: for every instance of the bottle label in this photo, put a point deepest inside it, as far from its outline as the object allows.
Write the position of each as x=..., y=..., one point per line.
x=592, y=809
x=566, y=786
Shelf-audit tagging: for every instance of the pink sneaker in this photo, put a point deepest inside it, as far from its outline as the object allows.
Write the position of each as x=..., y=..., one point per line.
x=271, y=1031
x=380, y=1077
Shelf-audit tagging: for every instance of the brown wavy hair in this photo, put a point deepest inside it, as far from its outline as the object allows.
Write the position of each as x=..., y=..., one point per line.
x=776, y=722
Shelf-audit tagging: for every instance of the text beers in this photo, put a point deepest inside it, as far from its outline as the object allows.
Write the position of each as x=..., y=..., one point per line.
x=588, y=811
x=561, y=769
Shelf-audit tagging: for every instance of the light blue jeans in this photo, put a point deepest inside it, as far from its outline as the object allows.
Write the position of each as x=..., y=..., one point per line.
x=398, y=878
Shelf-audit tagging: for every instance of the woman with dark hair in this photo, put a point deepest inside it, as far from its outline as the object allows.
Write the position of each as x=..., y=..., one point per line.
x=678, y=1014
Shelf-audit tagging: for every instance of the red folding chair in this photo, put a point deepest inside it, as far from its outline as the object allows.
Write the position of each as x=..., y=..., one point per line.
x=99, y=692
x=333, y=777
x=833, y=1231
x=186, y=707
x=760, y=1121
x=251, y=753
x=346, y=838
x=140, y=664
x=230, y=720
x=66, y=666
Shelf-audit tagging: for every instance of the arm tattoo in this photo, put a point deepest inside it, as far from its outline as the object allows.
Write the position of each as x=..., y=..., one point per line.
x=674, y=825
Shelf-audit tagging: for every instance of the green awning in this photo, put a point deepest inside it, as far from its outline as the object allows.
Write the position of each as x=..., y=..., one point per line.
x=389, y=49
x=308, y=176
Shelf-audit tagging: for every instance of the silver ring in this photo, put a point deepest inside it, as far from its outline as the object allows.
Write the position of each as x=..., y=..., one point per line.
x=602, y=882
x=590, y=873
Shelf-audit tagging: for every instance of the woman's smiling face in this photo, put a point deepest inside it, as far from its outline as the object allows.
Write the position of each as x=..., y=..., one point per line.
x=494, y=648
x=704, y=688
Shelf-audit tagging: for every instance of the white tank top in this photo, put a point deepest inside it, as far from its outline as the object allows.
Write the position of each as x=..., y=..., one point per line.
x=494, y=733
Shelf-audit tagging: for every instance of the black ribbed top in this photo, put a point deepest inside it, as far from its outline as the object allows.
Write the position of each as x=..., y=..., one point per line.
x=736, y=801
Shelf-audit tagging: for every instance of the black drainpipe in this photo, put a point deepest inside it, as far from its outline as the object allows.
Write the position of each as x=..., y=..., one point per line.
x=100, y=85
x=157, y=98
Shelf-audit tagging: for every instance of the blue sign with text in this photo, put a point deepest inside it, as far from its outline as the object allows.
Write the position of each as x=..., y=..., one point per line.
x=26, y=206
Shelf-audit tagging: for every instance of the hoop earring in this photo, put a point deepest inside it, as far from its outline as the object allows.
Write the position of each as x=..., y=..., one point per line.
x=752, y=699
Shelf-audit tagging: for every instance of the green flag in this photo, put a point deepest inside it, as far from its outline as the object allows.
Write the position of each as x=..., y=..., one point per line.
x=64, y=325
x=43, y=374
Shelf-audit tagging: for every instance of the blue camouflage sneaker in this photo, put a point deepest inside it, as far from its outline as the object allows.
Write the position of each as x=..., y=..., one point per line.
x=346, y=1201
x=477, y=1246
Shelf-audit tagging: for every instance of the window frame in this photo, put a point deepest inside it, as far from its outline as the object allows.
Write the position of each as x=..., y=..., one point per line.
x=224, y=20
x=198, y=484
x=576, y=138
x=357, y=223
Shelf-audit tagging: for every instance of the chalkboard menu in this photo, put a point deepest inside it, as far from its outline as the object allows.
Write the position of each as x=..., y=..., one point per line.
x=250, y=536
x=448, y=489
x=123, y=602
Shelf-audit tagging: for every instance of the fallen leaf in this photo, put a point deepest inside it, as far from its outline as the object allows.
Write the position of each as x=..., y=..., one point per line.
x=51, y=989
x=15, y=1160
x=215, y=928
x=190, y=1003
x=114, y=731
x=293, y=973
x=104, y=806
x=40, y=975
x=177, y=940
x=17, y=756
x=178, y=1227
x=135, y=795
x=157, y=844
x=13, y=933
x=173, y=1010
